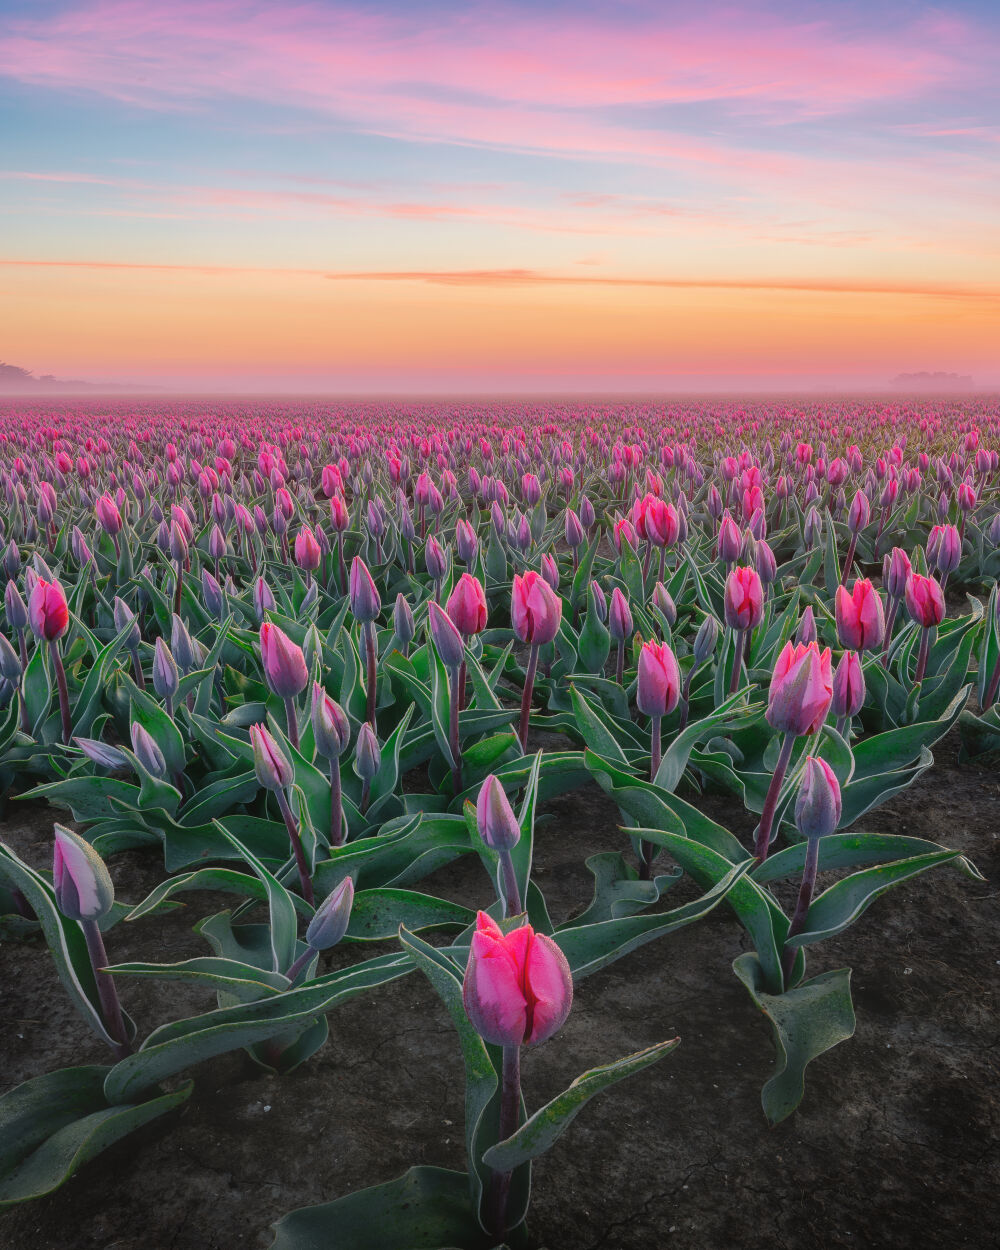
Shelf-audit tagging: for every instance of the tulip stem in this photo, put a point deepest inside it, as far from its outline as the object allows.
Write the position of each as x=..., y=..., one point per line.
x=620, y=662
x=297, y=849
x=57, y=664
x=336, y=804
x=852, y=546
x=801, y=907
x=991, y=690
x=529, y=686
x=454, y=741
x=925, y=642
x=140, y=676
x=299, y=964
x=510, y=1114
x=647, y=850
x=369, y=632
x=177, y=591
x=291, y=721
x=111, y=1008
x=734, y=680
x=686, y=698
x=771, y=800
x=514, y=905
x=341, y=567
x=889, y=623
x=842, y=724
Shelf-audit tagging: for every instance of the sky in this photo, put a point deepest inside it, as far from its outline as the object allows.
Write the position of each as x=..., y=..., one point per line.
x=416, y=197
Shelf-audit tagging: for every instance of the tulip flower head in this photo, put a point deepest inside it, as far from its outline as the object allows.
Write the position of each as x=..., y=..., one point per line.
x=924, y=600
x=284, y=664
x=744, y=599
x=801, y=689
x=518, y=988
x=536, y=610
x=818, y=804
x=48, y=612
x=80, y=878
x=659, y=683
x=467, y=606
x=860, y=616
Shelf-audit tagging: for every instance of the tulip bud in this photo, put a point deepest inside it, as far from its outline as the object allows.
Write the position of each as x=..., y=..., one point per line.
x=550, y=571
x=573, y=529
x=620, y=623
x=80, y=878
x=744, y=599
x=659, y=683
x=730, y=541
x=818, y=804
x=896, y=568
x=801, y=689
x=536, y=610
x=272, y=766
x=10, y=661
x=364, y=598
x=332, y=917
x=664, y=601
x=183, y=647
x=705, y=639
x=848, y=686
x=17, y=612
x=806, y=631
x=330, y=725
x=467, y=606
x=368, y=756
x=123, y=615
x=147, y=752
x=307, y=550
x=599, y=602
x=212, y=595
x=284, y=664
x=924, y=600
x=402, y=620
x=859, y=514
x=48, y=611
x=860, y=616
x=263, y=598
x=518, y=988
x=166, y=678
x=447, y=640
x=435, y=559
x=498, y=826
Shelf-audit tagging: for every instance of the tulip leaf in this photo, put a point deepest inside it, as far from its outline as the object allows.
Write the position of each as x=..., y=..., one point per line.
x=618, y=890
x=51, y=1125
x=543, y=1129
x=676, y=757
x=377, y=914
x=850, y=850
x=807, y=1020
x=425, y=1209
x=284, y=922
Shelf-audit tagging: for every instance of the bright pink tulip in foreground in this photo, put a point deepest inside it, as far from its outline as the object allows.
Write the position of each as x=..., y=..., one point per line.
x=801, y=689
x=536, y=610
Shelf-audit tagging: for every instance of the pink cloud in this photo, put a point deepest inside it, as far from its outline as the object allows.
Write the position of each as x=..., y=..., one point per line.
x=511, y=79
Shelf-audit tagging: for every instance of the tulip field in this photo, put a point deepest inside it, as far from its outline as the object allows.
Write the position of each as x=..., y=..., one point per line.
x=401, y=796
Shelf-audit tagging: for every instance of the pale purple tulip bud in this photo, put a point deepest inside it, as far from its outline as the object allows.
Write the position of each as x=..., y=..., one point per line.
x=573, y=529
x=587, y=514
x=620, y=623
x=664, y=601
x=263, y=599
x=10, y=661
x=818, y=805
x=212, y=595
x=466, y=542
x=806, y=631
x=182, y=645
x=498, y=826
x=123, y=615
x=166, y=678
x=17, y=611
x=365, y=601
x=600, y=602
x=330, y=725
x=896, y=569
x=859, y=514
x=550, y=571
x=435, y=559
x=283, y=662
x=147, y=752
x=705, y=639
x=447, y=640
x=332, y=917
x=272, y=766
x=368, y=756
x=848, y=686
x=80, y=878
x=402, y=620
x=766, y=564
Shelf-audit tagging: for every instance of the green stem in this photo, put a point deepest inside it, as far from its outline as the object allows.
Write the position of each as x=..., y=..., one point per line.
x=802, y=906
x=647, y=850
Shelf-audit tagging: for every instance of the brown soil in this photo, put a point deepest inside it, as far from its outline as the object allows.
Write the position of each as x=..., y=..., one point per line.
x=895, y=1144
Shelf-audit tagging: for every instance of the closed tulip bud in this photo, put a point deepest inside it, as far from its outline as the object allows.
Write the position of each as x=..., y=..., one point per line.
x=620, y=624
x=705, y=639
x=330, y=725
x=466, y=542
x=818, y=803
x=166, y=678
x=48, y=611
x=17, y=612
x=80, y=878
x=518, y=989
x=284, y=664
x=435, y=559
x=147, y=752
x=664, y=601
x=332, y=917
x=447, y=639
x=531, y=489
x=123, y=615
x=848, y=686
x=108, y=516
x=812, y=528
x=212, y=595
x=806, y=631
x=184, y=648
x=946, y=544
x=801, y=689
x=659, y=684
x=573, y=529
x=744, y=599
x=860, y=616
x=993, y=533
x=368, y=756
x=402, y=620
x=178, y=543
x=860, y=513
x=307, y=550
x=263, y=598
x=272, y=766
x=924, y=600
x=340, y=518
x=730, y=541
x=497, y=824
x=467, y=606
x=766, y=564
x=896, y=569
x=12, y=559
x=365, y=602
x=10, y=662
x=550, y=570
x=588, y=516
x=536, y=610
x=599, y=602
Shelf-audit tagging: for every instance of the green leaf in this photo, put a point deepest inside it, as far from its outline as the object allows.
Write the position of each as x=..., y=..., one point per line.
x=377, y=914
x=807, y=1020
x=618, y=890
x=850, y=850
x=547, y=1125
x=425, y=1209
x=676, y=757
x=52, y=1125
x=284, y=921
x=596, y=727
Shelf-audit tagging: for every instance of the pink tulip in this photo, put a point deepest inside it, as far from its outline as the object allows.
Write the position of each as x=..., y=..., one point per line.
x=467, y=605
x=744, y=599
x=518, y=988
x=659, y=683
x=284, y=664
x=307, y=550
x=536, y=610
x=801, y=689
x=860, y=616
x=48, y=611
x=924, y=600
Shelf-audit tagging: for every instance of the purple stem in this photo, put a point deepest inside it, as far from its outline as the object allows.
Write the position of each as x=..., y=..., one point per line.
x=802, y=905
x=513, y=904
x=510, y=1114
x=297, y=849
x=647, y=850
x=291, y=721
x=529, y=685
x=925, y=640
x=57, y=664
x=369, y=632
x=771, y=801
x=336, y=804
x=111, y=1009
x=734, y=680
